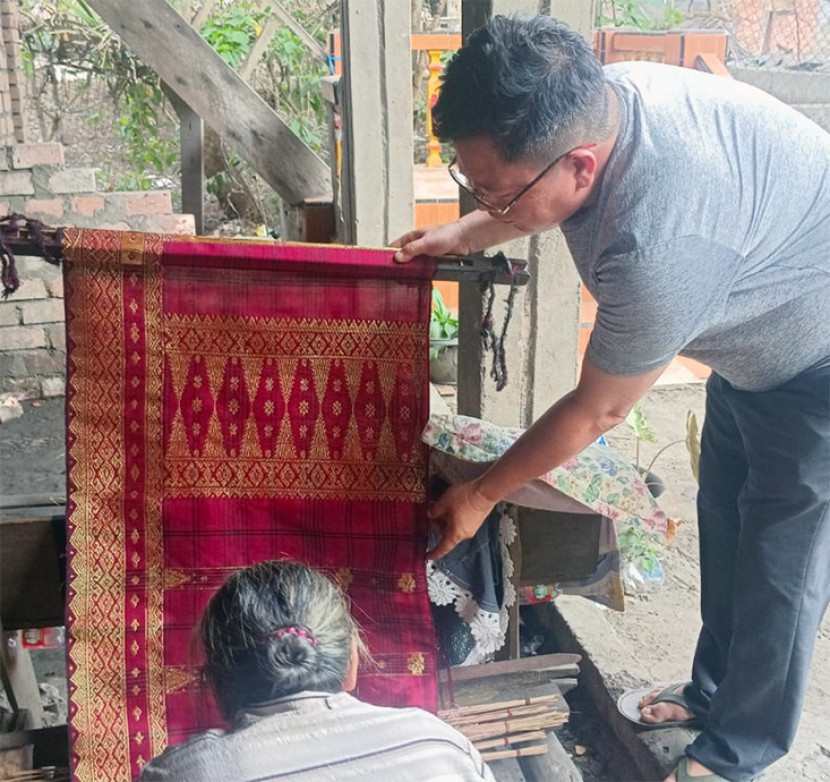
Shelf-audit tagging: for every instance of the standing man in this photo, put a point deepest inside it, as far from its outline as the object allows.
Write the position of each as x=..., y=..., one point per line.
x=697, y=211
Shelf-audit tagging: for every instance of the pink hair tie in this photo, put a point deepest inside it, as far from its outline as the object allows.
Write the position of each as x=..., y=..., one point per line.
x=300, y=632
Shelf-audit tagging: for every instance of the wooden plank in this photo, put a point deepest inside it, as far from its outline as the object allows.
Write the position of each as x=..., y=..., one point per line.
x=555, y=764
x=557, y=546
x=260, y=46
x=31, y=594
x=711, y=63
x=51, y=745
x=11, y=501
x=20, y=682
x=167, y=43
x=203, y=14
x=567, y=664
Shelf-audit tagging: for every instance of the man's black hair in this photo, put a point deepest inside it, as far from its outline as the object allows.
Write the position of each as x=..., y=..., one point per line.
x=530, y=83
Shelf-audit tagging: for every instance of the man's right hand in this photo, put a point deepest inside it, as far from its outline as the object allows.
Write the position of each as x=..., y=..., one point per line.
x=446, y=239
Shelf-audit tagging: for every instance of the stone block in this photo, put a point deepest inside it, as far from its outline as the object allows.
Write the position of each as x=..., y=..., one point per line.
x=9, y=408
x=29, y=289
x=30, y=155
x=41, y=363
x=57, y=336
x=44, y=311
x=56, y=287
x=22, y=338
x=171, y=224
x=53, y=386
x=13, y=364
x=16, y=183
x=87, y=205
x=44, y=208
x=154, y=202
x=72, y=180
x=22, y=388
x=36, y=268
x=9, y=314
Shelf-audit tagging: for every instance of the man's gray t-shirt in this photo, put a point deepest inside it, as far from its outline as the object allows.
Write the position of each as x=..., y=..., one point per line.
x=710, y=233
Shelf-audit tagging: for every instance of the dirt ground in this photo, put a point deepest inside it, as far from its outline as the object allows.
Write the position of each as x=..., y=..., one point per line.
x=660, y=624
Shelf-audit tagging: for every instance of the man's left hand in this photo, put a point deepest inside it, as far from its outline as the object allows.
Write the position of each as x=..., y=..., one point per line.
x=458, y=512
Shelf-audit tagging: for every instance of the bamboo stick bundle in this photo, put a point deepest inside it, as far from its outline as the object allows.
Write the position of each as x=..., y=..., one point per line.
x=496, y=728
x=480, y=708
x=521, y=752
x=503, y=714
x=547, y=721
x=507, y=741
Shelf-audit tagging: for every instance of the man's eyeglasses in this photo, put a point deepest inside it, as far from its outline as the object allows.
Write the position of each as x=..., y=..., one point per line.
x=466, y=184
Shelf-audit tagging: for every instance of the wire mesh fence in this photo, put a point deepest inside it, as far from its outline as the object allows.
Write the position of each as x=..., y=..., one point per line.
x=772, y=35
x=788, y=33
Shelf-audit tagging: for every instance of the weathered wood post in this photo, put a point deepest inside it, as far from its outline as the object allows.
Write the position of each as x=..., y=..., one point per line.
x=377, y=191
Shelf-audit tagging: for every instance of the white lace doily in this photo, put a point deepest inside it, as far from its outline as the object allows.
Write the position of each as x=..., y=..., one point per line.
x=488, y=628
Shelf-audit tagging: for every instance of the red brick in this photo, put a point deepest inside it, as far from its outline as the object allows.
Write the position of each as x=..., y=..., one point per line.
x=172, y=224
x=87, y=205
x=155, y=202
x=48, y=207
x=28, y=155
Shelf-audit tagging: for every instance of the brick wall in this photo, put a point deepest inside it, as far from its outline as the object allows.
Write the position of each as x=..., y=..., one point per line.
x=34, y=182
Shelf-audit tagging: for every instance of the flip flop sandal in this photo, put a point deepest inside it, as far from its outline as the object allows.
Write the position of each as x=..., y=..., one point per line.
x=683, y=775
x=627, y=706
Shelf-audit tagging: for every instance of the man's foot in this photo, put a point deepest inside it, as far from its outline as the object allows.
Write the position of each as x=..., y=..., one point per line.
x=664, y=711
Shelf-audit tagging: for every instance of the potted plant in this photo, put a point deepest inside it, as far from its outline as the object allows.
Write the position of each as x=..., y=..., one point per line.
x=641, y=428
x=443, y=341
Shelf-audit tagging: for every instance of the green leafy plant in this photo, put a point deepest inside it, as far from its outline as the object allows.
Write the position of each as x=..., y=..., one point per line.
x=232, y=31
x=643, y=432
x=634, y=13
x=443, y=325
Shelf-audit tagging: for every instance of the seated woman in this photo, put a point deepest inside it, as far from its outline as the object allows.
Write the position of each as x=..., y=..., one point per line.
x=281, y=654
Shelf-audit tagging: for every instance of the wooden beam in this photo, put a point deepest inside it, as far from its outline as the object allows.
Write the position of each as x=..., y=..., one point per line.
x=272, y=23
x=202, y=15
x=168, y=44
x=298, y=30
x=192, y=143
x=711, y=63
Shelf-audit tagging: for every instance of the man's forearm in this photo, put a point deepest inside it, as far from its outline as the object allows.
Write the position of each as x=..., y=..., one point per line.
x=482, y=231
x=563, y=431
x=597, y=404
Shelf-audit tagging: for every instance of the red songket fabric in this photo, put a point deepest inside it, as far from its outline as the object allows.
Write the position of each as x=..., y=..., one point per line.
x=229, y=402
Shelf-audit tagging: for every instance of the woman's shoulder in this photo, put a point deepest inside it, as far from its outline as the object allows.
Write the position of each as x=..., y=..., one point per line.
x=183, y=758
